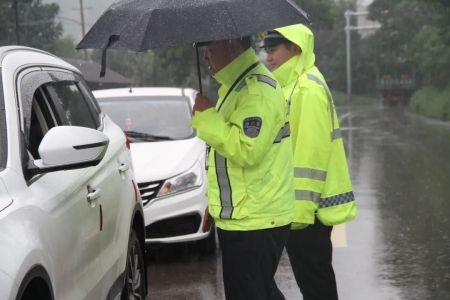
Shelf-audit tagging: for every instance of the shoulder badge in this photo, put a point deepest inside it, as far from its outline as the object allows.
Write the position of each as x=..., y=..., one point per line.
x=252, y=126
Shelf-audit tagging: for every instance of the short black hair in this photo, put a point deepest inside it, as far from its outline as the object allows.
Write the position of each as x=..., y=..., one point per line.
x=287, y=43
x=246, y=42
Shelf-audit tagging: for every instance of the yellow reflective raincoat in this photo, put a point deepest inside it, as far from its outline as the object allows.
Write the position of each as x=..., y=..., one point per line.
x=250, y=182
x=322, y=181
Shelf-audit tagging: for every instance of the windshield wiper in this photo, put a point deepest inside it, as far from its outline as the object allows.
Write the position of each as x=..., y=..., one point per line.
x=146, y=136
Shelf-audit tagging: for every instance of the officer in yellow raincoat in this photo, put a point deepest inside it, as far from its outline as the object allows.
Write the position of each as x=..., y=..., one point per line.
x=250, y=168
x=323, y=190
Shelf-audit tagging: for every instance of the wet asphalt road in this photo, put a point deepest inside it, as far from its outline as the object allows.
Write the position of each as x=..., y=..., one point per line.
x=399, y=246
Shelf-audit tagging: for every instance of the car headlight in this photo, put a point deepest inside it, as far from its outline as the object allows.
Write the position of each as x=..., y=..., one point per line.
x=188, y=180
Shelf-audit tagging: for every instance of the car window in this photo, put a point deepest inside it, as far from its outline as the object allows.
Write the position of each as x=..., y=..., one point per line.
x=38, y=128
x=87, y=93
x=162, y=116
x=41, y=121
x=71, y=104
x=29, y=88
x=50, y=99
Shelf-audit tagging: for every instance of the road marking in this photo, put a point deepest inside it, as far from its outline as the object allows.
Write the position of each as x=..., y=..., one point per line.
x=339, y=236
x=345, y=116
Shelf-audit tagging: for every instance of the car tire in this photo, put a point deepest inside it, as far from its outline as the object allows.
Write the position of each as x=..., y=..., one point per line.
x=134, y=274
x=207, y=246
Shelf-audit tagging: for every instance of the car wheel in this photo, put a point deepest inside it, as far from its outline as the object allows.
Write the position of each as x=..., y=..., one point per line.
x=207, y=246
x=134, y=288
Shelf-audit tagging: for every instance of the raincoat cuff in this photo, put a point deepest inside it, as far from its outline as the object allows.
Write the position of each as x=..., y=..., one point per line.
x=200, y=117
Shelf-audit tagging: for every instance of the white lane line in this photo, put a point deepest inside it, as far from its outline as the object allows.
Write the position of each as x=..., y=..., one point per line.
x=339, y=236
x=344, y=116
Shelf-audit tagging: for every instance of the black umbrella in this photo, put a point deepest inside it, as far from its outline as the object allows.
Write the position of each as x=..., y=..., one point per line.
x=140, y=25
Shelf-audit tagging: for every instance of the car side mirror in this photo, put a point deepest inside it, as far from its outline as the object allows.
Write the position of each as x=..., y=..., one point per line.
x=69, y=148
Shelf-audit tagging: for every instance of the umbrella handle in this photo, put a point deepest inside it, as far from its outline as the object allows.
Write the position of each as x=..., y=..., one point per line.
x=198, y=70
x=113, y=38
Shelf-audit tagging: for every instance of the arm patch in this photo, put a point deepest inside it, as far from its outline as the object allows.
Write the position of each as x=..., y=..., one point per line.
x=252, y=126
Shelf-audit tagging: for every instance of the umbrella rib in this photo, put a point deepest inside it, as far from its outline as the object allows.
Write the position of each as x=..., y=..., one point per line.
x=142, y=41
x=229, y=14
x=304, y=13
x=115, y=8
x=141, y=45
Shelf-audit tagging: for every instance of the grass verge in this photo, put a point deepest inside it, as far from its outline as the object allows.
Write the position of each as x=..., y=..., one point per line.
x=341, y=99
x=432, y=102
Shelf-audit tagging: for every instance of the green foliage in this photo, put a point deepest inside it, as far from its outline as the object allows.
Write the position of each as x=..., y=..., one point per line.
x=413, y=31
x=432, y=53
x=320, y=11
x=401, y=21
x=432, y=102
x=441, y=16
x=65, y=47
x=37, y=25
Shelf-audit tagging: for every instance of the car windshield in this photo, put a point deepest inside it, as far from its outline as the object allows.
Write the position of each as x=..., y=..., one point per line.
x=151, y=115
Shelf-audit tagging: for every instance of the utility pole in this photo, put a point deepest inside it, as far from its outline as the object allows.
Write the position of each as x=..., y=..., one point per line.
x=15, y=6
x=348, y=28
x=83, y=28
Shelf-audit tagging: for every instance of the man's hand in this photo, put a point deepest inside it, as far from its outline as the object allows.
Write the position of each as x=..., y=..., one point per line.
x=208, y=221
x=202, y=103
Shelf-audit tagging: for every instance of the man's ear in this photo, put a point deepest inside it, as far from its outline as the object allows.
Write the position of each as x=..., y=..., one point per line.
x=297, y=49
x=234, y=46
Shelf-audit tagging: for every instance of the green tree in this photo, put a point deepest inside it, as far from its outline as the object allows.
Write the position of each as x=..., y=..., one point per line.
x=414, y=31
x=65, y=48
x=37, y=25
x=401, y=21
x=431, y=51
x=320, y=11
x=441, y=14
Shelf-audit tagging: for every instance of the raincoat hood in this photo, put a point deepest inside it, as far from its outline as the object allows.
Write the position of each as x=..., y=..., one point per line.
x=303, y=37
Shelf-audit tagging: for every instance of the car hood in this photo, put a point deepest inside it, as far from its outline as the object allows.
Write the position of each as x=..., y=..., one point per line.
x=162, y=160
x=5, y=198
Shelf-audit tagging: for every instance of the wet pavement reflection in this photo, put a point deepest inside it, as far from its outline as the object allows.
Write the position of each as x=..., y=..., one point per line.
x=399, y=246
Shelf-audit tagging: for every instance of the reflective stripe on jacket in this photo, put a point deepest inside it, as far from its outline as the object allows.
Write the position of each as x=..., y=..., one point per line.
x=322, y=182
x=250, y=182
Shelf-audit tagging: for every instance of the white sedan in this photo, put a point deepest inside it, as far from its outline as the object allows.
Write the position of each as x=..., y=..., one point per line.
x=168, y=158
x=71, y=219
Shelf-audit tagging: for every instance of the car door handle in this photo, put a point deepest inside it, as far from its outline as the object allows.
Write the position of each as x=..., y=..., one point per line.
x=94, y=195
x=124, y=168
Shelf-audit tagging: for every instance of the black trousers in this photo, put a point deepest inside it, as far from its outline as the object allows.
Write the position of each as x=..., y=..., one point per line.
x=311, y=253
x=250, y=260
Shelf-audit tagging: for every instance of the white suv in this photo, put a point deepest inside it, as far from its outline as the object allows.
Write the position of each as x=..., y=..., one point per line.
x=169, y=160
x=71, y=218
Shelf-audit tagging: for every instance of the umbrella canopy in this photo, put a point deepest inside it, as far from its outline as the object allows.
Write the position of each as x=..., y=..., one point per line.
x=140, y=25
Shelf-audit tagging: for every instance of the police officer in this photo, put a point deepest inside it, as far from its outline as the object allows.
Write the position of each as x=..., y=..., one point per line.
x=323, y=190
x=250, y=184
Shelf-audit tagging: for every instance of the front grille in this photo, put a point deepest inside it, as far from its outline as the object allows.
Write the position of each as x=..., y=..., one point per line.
x=182, y=225
x=149, y=190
